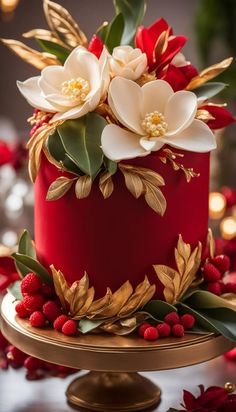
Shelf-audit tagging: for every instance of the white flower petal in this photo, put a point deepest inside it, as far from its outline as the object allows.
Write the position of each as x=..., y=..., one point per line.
x=119, y=144
x=104, y=70
x=198, y=137
x=32, y=93
x=155, y=96
x=74, y=113
x=125, y=100
x=151, y=144
x=52, y=78
x=180, y=111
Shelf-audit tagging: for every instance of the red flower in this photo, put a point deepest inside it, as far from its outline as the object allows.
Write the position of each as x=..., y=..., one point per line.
x=148, y=39
x=8, y=273
x=5, y=153
x=213, y=399
x=179, y=76
x=222, y=116
x=96, y=46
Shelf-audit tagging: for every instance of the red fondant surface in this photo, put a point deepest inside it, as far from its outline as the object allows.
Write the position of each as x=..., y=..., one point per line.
x=120, y=238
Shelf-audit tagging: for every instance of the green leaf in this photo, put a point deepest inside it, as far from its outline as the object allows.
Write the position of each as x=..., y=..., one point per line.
x=209, y=89
x=110, y=165
x=81, y=139
x=58, y=152
x=114, y=32
x=15, y=290
x=158, y=308
x=25, y=246
x=224, y=320
x=201, y=320
x=50, y=47
x=133, y=12
x=102, y=31
x=201, y=299
x=32, y=265
x=86, y=325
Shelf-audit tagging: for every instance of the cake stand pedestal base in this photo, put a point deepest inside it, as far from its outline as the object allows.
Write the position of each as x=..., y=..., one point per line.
x=110, y=391
x=113, y=384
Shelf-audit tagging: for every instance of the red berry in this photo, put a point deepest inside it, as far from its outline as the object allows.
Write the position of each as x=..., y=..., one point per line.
x=32, y=364
x=229, y=287
x=51, y=310
x=164, y=330
x=172, y=318
x=21, y=311
x=37, y=319
x=3, y=342
x=70, y=328
x=188, y=321
x=211, y=273
x=59, y=322
x=177, y=331
x=48, y=290
x=222, y=262
x=34, y=302
x=151, y=333
x=214, y=287
x=15, y=355
x=31, y=284
x=142, y=328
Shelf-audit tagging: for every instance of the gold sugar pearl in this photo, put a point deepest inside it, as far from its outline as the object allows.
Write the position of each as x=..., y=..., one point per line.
x=229, y=387
x=154, y=124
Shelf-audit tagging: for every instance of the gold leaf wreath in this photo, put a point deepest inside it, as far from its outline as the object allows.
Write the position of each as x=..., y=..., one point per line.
x=209, y=73
x=63, y=25
x=177, y=282
x=141, y=181
x=78, y=299
x=31, y=56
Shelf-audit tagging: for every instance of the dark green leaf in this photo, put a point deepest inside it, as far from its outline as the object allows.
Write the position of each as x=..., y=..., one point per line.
x=102, y=31
x=158, y=308
x=15, y=290
x=32, y=265
x=57, y=151
x=110, y=165
x=114, y=32
x=223, y=319
x=50, y=47
x=133, y=12
x=201, y=299
x=209, y=89
x=81, y=139
x=86, y=325
x=201, y=320
x=25, y=246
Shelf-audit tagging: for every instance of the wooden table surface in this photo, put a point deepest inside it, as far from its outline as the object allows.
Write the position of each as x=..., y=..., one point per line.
x=20, y=395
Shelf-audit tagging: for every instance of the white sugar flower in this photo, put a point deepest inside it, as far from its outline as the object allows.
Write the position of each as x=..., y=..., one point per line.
x=71, y=90
x=153, y=116
x=128, y=62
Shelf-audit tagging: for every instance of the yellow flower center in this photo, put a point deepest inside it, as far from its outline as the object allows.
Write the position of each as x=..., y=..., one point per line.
x=154, y=124
x=75, y=89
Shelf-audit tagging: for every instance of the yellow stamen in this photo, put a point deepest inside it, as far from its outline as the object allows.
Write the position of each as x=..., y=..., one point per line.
x=75, y=89
x=154, y=124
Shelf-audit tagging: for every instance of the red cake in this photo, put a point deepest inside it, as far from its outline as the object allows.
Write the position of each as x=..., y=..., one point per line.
x=119, y=149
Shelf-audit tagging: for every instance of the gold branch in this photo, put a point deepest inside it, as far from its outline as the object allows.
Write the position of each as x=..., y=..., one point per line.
x=171, y=157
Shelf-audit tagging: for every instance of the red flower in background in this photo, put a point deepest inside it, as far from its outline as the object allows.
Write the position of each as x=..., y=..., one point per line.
x=222, y=116
x=179, y=76
x=8, y=273
x=5, y=153
x=159, y=44
x=96, y=46
x=15, y=155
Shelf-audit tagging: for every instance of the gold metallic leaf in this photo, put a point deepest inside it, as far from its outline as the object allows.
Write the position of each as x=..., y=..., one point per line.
x=142, y=181
x=59, y=188
x=106, y=184
x=79, y=291
x=142, y=294
x=209, y=73
x=146, y=78
x=83, y=186
x=118, y=300
x=211, y=243
x=204, y=115
x=231, y=299
x=124, y=326
x=171, y=157
x=63, y=25
x=43, y=35
x=177, y=282
x=31, y=56
x=61, y=286
x=99, y=304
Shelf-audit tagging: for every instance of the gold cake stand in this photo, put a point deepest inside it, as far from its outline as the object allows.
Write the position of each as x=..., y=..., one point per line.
x=113, y=383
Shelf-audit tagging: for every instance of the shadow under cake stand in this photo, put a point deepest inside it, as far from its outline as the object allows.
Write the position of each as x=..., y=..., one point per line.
x=113, y=383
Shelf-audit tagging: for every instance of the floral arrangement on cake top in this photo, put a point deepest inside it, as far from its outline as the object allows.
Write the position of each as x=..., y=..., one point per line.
x=127, y=94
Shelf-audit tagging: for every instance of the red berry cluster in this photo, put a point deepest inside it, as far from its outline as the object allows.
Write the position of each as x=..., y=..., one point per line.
x=173, y=325
x=41, y=306
x=213, y=271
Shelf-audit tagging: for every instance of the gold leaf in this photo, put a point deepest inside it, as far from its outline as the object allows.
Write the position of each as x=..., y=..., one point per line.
x=88, y=302
x=231, y=299
x=144, y=181
x=204, y=115
x=171, y=156
x=161, y=43
x=100, y=304
x=124, y=326
x=83, y=186
x=211, y=243
x=31, y=56
x=79, y=294
x=118, y=300
x=63, y=25
x=43, y=35
x=59, y=188
x=209, y=73
x=61, y=286
x=142, y=294
x=166, y=275
x=106, y=184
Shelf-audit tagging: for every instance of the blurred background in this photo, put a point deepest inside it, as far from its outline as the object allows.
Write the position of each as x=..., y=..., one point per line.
x=209, y=26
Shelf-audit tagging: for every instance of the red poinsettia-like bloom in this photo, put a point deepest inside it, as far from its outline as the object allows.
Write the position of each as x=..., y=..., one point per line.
x=222, y=116
x=213, y=399
x=178, y=76
x=8, y=273
x=96, y=46
x=159, y=44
